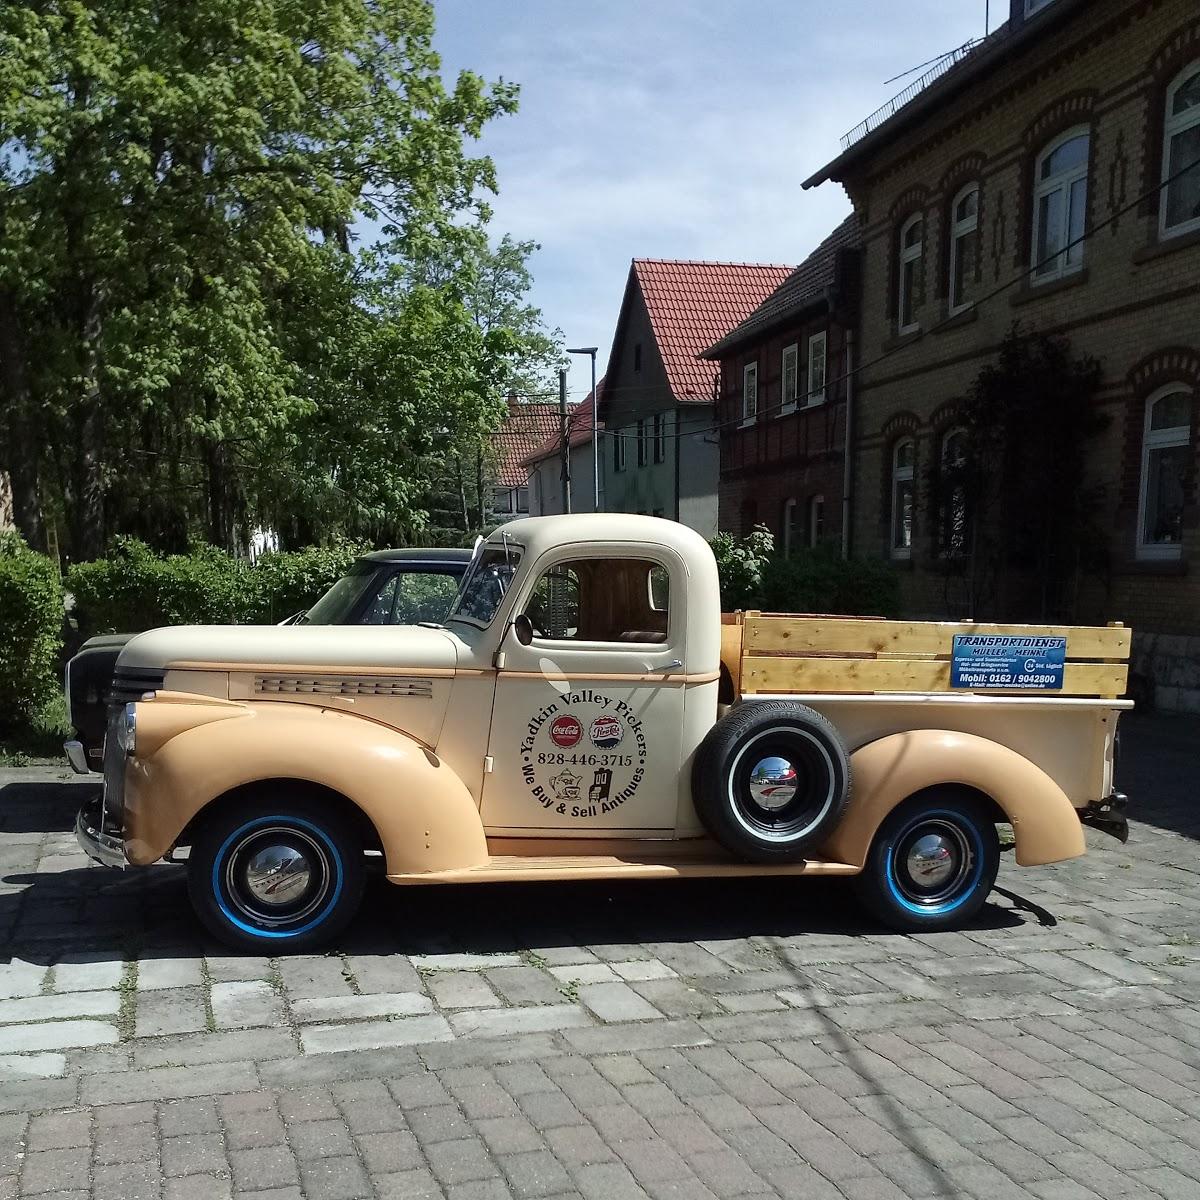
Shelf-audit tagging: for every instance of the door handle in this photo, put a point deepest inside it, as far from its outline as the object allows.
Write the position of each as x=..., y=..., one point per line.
x=675, y=662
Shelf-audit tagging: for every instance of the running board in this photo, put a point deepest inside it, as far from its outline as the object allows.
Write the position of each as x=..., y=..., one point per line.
x=512, y=868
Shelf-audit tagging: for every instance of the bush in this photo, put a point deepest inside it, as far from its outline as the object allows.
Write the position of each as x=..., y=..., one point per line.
x=31, y=624
x=740, y=563
x=820, y=581
x=135, y=589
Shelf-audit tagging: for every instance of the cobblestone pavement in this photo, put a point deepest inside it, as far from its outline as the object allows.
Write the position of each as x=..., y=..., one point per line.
x=667, y=1039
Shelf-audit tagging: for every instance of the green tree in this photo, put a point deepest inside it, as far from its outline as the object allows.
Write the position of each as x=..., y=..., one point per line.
x=183, y=313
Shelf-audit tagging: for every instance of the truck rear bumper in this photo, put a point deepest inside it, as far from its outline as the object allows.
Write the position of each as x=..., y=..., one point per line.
x=1108, y=816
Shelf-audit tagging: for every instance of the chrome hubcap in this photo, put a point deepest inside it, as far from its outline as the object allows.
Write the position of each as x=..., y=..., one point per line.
x=933, y=859
x=278, y=876
x=773, y=783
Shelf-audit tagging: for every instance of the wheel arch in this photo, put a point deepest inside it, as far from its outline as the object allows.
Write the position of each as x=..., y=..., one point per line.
x=420, y=811
x=889, y=771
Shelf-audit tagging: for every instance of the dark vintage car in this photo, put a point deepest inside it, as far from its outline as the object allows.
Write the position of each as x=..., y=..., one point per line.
x=386, y=587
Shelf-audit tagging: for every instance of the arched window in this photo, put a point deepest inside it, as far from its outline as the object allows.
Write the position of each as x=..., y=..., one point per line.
x=904, y=459
x=791, y=527
x=816, y=520
x=1181, y=147
x=912, y=245
x=1060, y=205
x=964, y=242
x=952, y=506
x=1166, y=450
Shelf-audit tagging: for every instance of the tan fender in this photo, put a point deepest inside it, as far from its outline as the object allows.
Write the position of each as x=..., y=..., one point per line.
x=425, y=817
x=888, y=771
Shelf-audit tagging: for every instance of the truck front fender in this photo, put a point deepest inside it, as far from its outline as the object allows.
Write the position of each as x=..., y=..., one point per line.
x=888, y=771
x=426, y=818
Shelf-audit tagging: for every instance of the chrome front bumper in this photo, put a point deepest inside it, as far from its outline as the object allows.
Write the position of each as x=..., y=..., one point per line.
x=98, y=844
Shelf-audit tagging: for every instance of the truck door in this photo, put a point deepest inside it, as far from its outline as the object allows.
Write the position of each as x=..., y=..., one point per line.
x=587, y=724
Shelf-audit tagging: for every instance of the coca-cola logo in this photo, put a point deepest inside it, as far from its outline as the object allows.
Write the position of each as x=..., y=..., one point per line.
x=566, y=731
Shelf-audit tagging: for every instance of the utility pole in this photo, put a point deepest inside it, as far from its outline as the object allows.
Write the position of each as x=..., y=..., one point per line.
x=591, y=352
x=564, y=441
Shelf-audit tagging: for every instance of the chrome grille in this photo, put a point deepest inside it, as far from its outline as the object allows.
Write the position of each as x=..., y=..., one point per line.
x=328, y=685
x=132, y=683
x=114, y=768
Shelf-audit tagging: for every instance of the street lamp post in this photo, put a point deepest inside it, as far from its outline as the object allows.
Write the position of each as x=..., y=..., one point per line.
x=591, y=352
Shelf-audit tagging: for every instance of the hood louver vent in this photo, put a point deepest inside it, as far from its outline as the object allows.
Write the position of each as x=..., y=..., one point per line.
x=325, y=685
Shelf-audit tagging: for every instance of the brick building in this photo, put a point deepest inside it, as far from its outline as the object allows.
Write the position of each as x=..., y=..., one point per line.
x=782, y=401
x=1064, y=124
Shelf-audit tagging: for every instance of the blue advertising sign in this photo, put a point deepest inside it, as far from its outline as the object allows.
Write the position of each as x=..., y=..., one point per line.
x=1000, y=662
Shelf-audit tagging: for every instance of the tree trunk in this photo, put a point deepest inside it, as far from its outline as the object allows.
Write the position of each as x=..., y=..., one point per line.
x=21, y=452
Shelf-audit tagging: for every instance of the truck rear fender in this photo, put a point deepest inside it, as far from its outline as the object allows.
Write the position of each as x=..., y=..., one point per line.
x=886, y=772
x=425, y=817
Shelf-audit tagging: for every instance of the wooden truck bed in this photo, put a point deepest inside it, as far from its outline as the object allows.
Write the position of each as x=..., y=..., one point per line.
x=773, y=653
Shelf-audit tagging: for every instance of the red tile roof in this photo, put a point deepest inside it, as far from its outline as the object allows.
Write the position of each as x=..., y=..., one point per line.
x=579, y=430
x=526, y=427
x=691, y=305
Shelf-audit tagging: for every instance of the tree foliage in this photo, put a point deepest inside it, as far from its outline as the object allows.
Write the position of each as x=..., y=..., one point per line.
x=1015, y=513
x=31, y=625
x=192, y=340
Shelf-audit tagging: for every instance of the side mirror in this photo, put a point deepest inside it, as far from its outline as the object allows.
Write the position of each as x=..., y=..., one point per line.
x=522, y=629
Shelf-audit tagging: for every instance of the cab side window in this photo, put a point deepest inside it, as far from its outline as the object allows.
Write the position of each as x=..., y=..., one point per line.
x=602, y=600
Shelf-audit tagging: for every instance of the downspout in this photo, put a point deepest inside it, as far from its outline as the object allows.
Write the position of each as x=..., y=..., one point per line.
x=848, y=458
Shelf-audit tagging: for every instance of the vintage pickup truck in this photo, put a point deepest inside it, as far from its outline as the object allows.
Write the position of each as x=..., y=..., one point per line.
x=586, y=712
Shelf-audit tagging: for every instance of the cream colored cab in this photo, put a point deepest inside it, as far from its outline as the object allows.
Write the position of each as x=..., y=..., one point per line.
x=587, y=712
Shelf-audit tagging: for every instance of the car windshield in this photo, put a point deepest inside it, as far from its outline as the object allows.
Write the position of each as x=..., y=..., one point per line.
x=487, y=580
x=336, y=605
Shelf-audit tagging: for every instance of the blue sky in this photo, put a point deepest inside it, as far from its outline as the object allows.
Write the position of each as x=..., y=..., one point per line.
x=678, y=128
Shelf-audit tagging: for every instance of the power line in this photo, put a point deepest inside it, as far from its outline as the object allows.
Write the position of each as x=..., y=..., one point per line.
x=1024, y=274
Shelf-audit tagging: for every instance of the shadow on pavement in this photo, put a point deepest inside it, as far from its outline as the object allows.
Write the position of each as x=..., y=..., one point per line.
x=1157, y=770
x=42, y=807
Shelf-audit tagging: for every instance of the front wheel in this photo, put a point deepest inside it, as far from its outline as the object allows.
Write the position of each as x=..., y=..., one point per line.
x=277, y=874
x=932, y=863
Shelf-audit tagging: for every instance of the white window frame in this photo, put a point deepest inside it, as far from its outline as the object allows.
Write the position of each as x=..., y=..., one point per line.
x=901, y=475
x=750, y=393
x=814, y=395
x=1158, y=439
x=1033, y=7
x=1174, y=125
x=790, y=507
x=958, y=231
x=790, y=361
x=815, y=504
x=909, y=255
x=1064, y=182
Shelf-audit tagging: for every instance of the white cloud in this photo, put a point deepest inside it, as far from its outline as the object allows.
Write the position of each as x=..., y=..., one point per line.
x=678, y=128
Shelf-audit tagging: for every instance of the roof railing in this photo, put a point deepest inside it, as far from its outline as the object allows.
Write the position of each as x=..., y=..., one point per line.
x=896, y=103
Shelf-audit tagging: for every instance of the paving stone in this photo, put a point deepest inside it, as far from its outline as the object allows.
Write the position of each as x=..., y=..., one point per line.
x=500, y=1022
x=171, y=1010
x=59, y=1006
x=168, y=1083
x=460, y=1161
x=367, y=1035
x=464, y=962
x=351, y=1008
x=54, y=1131
x=55, y=1035
x=126, y=1181
x=193, y=1153
x=87, y=972
x=125, y=1144
x=263, y=1167
x=154, y=973
x=388, y=973
x=55, y=1170
x=198, y=1187
x=461, y=989
x=178, y=1117
x=243, y=1003
x=229, y=1046
x=46, y=1065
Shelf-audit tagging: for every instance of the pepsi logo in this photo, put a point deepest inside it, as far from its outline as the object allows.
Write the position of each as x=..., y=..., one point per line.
x=566, y=731
x=606, y=732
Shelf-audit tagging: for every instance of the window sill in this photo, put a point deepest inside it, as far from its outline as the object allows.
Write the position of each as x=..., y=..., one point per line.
x=1164, y=567
x=901, y=339
x=1167, y=244
x=957, y=320
x=1030, y=291
x=816, y=402
x=746, y=422
x=786, y=410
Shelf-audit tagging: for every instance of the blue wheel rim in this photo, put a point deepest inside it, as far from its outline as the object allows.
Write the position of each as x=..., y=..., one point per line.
x=964, y=887
x=239, y=836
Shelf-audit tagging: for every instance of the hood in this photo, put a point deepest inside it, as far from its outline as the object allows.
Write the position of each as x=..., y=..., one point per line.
x=225, y=647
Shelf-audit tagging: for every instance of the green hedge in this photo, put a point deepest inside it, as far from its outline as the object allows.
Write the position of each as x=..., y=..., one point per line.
x=754, y=575
x=31, y=627
x=134, y=588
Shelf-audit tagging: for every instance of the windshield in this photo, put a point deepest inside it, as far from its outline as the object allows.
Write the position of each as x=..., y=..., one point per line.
x=487, y=580
x=335, y=607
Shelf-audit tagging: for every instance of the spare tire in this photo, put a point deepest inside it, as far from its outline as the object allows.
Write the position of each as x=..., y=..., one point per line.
x=771, y=781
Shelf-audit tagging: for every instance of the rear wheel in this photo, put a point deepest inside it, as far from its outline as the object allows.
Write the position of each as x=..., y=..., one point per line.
x=279, y=873
x=932, y=863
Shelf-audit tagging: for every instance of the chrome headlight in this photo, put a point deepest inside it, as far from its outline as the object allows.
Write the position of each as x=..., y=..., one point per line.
x=127, y=729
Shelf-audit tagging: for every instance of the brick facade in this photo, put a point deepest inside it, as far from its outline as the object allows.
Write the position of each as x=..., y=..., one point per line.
x=1103, y=67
